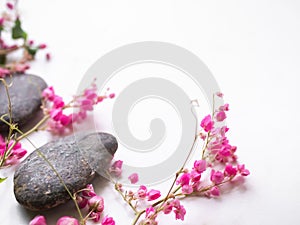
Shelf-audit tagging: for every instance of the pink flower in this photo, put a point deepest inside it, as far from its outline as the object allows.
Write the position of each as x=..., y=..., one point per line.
x=21, y=68
x=167, y=207
x=230, y=170
x=108, y=221
x=3, y=72
x=48, y=93
x=65, y=120
x=10, y=5
x=180, y=213
x=134, y=178
x=96, y=203
x=215, y=191
x=58, y=102
x=89, y=192
x=66, y=220
x=153, y=194
x=207, y=124
x=38, y=220
x=184, y=179
x=116, y=168
x=224, y=107
x=95, y=216
x=48, y=56
x=112, y=95
x=55, y=114
x=195, y=176
x=150, y=212
x=81, y=201
x=200, y=166
x=42, y=46
x=242, y=170
x=221, y=116
x=142, y=192
x=219, y=94
x=187, y=189
x=216, y=177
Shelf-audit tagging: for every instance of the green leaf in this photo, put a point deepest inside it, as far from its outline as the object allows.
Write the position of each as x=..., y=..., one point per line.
x=17, y=31
x=32, y=51
x=2, y=179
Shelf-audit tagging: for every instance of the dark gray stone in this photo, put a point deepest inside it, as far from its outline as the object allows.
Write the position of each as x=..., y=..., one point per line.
x=25, y=96
x=75, y=158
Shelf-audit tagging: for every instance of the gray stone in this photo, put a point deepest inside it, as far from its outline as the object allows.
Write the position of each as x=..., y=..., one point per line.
x=75, y=158
x=25, y=95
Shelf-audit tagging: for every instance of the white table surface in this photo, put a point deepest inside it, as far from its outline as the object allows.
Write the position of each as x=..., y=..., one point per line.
x=251, y=47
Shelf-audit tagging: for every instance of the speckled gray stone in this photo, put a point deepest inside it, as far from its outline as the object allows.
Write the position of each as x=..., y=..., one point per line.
x=25, y=95
x=37, y=187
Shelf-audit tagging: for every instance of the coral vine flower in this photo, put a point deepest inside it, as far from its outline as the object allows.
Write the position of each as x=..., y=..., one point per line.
x=66, y=220
x=38, y=220
x=108, y=221
x=207, y=124
x=153, y=195
x=134, y=178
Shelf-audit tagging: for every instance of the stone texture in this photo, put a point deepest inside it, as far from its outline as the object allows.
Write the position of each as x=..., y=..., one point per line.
x=75, y=158
x=25, y=95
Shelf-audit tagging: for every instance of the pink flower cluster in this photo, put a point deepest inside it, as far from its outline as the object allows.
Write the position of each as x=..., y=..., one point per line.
x=190, y=181
x=54, y=106
x=86, y=199
x=218, y=145
x=175, y=206
x=89, y=199
x=10, y=156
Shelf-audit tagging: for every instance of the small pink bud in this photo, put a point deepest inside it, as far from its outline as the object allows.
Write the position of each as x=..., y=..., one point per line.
x=108, y=221
x=219, y=94
x=42, y=46
x=112, y=95
x=48, y=56
x=66, y=220
x=142, y=192
x=95, y=216
x=134, y=178
x=10, y=6
x=30, y=42
x=38, y=220
x=96, y=203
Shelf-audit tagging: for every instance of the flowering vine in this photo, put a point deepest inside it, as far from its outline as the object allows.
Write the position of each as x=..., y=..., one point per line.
x=13, y=38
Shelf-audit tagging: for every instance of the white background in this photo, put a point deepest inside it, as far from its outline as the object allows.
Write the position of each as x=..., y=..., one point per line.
x=251, y=47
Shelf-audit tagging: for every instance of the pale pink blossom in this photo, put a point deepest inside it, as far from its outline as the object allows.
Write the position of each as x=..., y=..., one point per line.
x=38, y=220
x=142, y=192
x=224, y=107
x=220, y=116
x=134, y=178
x=116, y=168
x=180, y=213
